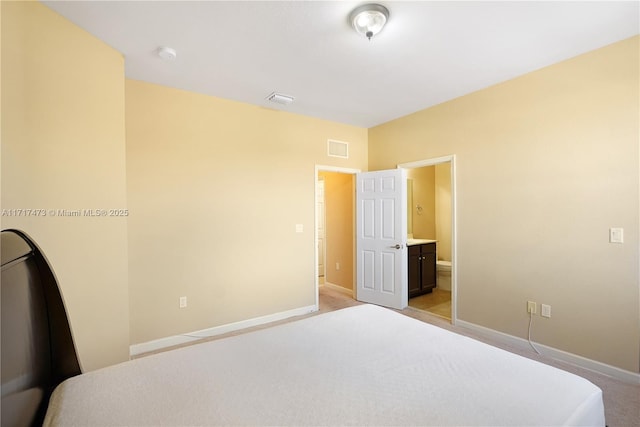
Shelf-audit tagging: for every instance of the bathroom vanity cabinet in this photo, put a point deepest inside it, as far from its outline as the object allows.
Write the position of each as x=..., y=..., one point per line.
x=422, y=268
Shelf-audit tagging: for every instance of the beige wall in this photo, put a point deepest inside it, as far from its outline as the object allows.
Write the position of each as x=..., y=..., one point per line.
x=546, y=164
x=339, y=205
x=63, y=147
x=424, y=195
x=443, y=210
x=215, y=190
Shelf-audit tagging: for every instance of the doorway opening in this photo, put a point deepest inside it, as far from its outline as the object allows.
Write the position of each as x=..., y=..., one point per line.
x=335, y=229
x=431, y=222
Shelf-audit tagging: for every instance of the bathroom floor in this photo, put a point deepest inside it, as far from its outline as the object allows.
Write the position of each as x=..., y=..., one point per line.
x=437, y=302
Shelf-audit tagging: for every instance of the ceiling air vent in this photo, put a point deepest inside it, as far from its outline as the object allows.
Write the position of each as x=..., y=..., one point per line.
x=338, y=149
x=279, y=98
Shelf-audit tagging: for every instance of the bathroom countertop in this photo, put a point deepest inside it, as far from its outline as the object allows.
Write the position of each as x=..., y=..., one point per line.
x=412, y=242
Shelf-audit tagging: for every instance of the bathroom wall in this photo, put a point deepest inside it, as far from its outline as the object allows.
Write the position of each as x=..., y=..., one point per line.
x=424, y=195
x=432, y=191
x=443, y=210
x=339, y=213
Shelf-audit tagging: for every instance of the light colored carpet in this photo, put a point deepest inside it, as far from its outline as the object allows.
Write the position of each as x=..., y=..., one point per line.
x=621, y=399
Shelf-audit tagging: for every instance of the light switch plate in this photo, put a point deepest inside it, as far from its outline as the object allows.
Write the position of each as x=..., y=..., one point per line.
x=616, y=235
x=299, y=228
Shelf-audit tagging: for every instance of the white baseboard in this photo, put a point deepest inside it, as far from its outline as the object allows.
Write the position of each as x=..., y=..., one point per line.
x=554, y=353
x=161, y=343
x=338, y=288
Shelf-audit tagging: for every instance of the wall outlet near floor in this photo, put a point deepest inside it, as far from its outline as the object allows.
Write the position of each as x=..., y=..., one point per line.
x=545, y=310
x=183, y=302
x=531, y=307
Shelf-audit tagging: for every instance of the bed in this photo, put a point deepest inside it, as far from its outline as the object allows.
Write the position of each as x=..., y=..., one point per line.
x=363, y=365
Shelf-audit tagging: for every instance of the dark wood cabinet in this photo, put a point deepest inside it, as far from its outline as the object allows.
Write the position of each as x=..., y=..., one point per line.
x=422, y=269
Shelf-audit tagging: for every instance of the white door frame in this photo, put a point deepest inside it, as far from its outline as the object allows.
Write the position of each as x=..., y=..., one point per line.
x=454, y=245
x=338, y=169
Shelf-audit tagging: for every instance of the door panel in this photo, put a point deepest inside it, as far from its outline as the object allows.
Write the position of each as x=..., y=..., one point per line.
x=388, y=219
x=368, y=219
x=381, y=216
x=368, y=267
x=389, y=281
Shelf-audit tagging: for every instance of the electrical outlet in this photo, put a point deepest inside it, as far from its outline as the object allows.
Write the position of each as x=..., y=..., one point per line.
x=531, y=307
x=545, y=310
x=183, y=302
x=337, y=266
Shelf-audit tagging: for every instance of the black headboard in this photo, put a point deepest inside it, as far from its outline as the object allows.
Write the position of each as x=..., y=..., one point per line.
x=37, y=347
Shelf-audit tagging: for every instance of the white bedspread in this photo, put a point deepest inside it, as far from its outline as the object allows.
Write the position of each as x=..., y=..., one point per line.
x=363, y=365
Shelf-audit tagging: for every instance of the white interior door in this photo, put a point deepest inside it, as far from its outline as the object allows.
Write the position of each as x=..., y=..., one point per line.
x=381, y=224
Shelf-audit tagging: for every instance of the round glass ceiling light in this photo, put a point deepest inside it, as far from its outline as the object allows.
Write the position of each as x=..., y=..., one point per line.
x=369, y=19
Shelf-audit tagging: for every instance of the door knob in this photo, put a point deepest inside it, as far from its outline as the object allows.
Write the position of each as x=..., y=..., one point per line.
x=397, y=246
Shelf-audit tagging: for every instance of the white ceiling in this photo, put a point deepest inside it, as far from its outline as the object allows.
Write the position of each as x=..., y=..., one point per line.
x=429, y=52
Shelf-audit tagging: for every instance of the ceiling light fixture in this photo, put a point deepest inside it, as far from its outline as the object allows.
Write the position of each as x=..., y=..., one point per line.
x=369, y=19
